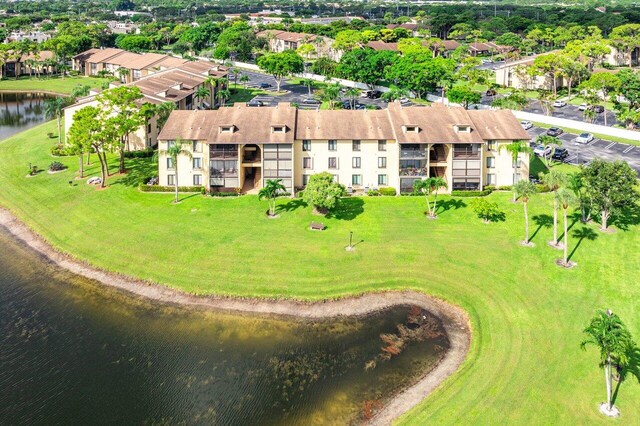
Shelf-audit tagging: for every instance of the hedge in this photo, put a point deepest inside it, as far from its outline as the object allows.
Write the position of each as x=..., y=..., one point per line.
x=387, y=191
x=145, y=153
x=482, y=193
x=159, y=188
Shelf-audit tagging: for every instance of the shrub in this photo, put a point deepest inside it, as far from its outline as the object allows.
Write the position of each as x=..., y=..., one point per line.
x=300, y=194
x=504, y=188
x=542, y=188
x=59, y=150
x=56, y=166
x=482, y=193
x=159, y=188
x=409, y=194
x=486, y=210
x=145, y=153
x=490, y=187
x=387, y=191
x=216, y=193
x=373, y=193
x=322, y=192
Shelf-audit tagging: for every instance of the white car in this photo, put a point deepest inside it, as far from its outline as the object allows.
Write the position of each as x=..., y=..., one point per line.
x=559, y=104
x=485, y=61
x=404, y=100
x=526, y=125
x=584, y=138
x=583, y=107
x=365, y=93
x=542, y=151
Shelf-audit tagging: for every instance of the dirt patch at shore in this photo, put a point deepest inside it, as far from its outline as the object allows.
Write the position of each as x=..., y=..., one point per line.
x=454, y=319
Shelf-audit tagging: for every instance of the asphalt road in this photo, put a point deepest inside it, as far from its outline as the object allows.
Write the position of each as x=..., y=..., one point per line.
x=598, y=148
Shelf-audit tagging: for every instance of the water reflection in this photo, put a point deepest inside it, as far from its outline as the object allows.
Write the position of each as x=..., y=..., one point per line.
x=20, y=111
x=73, y=352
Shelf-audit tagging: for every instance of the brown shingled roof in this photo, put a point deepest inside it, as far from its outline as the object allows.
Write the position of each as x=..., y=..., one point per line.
x=382, y=45
x=338, y=124
x=99, y=55
x=497, y=125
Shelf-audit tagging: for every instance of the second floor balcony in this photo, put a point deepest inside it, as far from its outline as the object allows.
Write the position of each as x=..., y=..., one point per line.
x=414, y=171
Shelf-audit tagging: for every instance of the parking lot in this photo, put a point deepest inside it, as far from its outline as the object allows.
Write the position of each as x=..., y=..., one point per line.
x=597, y=148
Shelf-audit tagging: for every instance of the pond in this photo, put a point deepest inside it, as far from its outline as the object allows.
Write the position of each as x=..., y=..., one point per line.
x=75, y=352
x=20, y=111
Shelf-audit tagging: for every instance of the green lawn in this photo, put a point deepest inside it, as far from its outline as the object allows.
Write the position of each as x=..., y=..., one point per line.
x=525, y=365
x=240, y=94
x=53, y=84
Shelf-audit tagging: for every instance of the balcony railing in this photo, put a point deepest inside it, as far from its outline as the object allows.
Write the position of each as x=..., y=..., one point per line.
x=224, y=173
x=413, y=153
x=412, y=171
x=461, y=156
x=251, y=159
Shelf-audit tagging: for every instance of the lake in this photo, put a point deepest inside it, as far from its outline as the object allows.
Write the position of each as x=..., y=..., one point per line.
x=20, y=111
x=73, y=351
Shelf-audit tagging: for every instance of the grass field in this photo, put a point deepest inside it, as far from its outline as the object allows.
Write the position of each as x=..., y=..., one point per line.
x=525, y=365
x=53, y=84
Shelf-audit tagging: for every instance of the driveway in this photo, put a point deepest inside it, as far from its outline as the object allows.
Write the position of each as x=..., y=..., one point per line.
x=598, y=148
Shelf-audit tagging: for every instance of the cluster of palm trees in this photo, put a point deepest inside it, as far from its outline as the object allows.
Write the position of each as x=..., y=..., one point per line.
x=428, y=186
x=36, y=64
x=221, y=91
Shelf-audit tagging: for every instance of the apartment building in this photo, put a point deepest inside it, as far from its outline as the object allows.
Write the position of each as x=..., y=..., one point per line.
x=178, y=85
x=241, y=147
x=279, y=41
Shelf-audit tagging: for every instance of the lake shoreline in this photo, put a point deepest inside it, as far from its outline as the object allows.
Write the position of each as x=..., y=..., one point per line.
x=454, y=319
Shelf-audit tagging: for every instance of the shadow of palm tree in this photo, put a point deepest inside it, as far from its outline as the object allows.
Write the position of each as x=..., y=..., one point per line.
x=575, y=218
x=543, y=221
x=290, y=206
x=581, y=234
x=347, y=208
x=453, y=203
x=633, y=369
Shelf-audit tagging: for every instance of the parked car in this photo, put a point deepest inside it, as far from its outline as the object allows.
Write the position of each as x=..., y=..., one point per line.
x=365, y=93
x=346, y=104
x=361, y=106
x=374, y=94
x=404, y=100
x=526, y=124
x=559, y=104
x=311, y=101
x=584, y=138
x=264, y=85
x=598, y=108
x=485, y=61
x=491, y=92
x=583, y=107
x=542, y=150
x=254, y=103
x=560, y=154
x=555, y=131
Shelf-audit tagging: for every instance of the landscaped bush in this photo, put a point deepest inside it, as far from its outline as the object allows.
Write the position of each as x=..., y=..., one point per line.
x=59, y=150
x=542, y=188
x=56, y=166
x=373, y=193
x=387, y=191
x=504, y=188
x=299, y=194
x=159, y=188
x=471, y=193
x=410, y=194
x=145, y=153
x=223, y=194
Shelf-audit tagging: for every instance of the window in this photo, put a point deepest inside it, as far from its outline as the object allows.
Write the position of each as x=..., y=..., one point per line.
x=356, y=162
x=472, y=184
x=306, y=145
x=333, y=162
x=278, y=129
x=226, y=129
x=382, y=145
x=462, y=128
x=491, y=145
x=171, y=179
x=335, y=178
x=197, y=163
x=333, y=145
x=306, y=163
x=197, y=180
x=149, y=128
x=355, y=145
x=382, y=162
x=356, y=180
x=466, y=150
x=491, y=179
x=411, y=128
x=382, y=180
x=170, y=163
x=170, y=144
x=197, y=146
x=491, y=162
x=305, y=180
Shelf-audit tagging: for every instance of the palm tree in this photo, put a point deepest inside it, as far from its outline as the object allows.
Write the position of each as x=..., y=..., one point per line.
x=554, y=180
x=525, y=190
x=612, y=338
x=270, y=191
x=515, y=148
x=174, y=151
x=202, y=93
x=394, y=93
x=244, y=80
x=565, y=198
x=236, y=73
x=576, y=184
x=330, y=94
x=222, y=95
x=308, y=83
x=53, y=109
x=551, y=142
x=445, y=84
x=352, y=93
x=430, y=186
x=123, y=73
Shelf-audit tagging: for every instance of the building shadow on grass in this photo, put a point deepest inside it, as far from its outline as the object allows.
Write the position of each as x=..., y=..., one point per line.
x=139, y=170
x=453, y=203
x=632, y=369
x=583, y=233
x=290, y=206
x=347, y=208
x=542, y=221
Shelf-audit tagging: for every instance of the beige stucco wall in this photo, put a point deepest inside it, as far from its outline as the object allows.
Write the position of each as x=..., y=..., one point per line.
x=368, y=154
x=503, y=169
x=185, y=165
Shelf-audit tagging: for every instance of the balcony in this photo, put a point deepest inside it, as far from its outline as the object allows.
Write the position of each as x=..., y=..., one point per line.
x=413, y=171
x=464, y=156
x=413, y=153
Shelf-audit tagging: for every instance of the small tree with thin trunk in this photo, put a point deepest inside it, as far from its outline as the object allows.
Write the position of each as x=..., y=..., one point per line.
x=565, y=198
x=554, y=180
x=244, y=80
x=430, y=186
x=525, y=190
x=516, y=148
x=53, y=109
x=82, y=133
x=270, y=192
x=610, y=336
x=308, y=83
x=175, y=150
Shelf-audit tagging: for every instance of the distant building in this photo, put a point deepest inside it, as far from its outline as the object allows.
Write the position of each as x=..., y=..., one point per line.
x=33, y=63
x=130, y=13
x=513, y=74
x=487, y=48
x=279, y=41
x=123, y=27
x=35, y=36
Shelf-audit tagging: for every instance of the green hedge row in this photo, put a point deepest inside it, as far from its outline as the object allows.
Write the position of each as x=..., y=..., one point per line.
x=145, y=153
x=159, y=188
x=482, y=193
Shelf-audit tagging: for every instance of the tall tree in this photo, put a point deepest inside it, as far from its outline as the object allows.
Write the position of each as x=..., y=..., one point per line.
x=516, y=148
x=53, y=108
x=604, y=84
x=554, y=180
x=82, y=133
x=174, y=151
x=525, y=190
x=565, y=198
x=463, y=95
x=610, y=336
x=430, y=186
x=280, y=65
